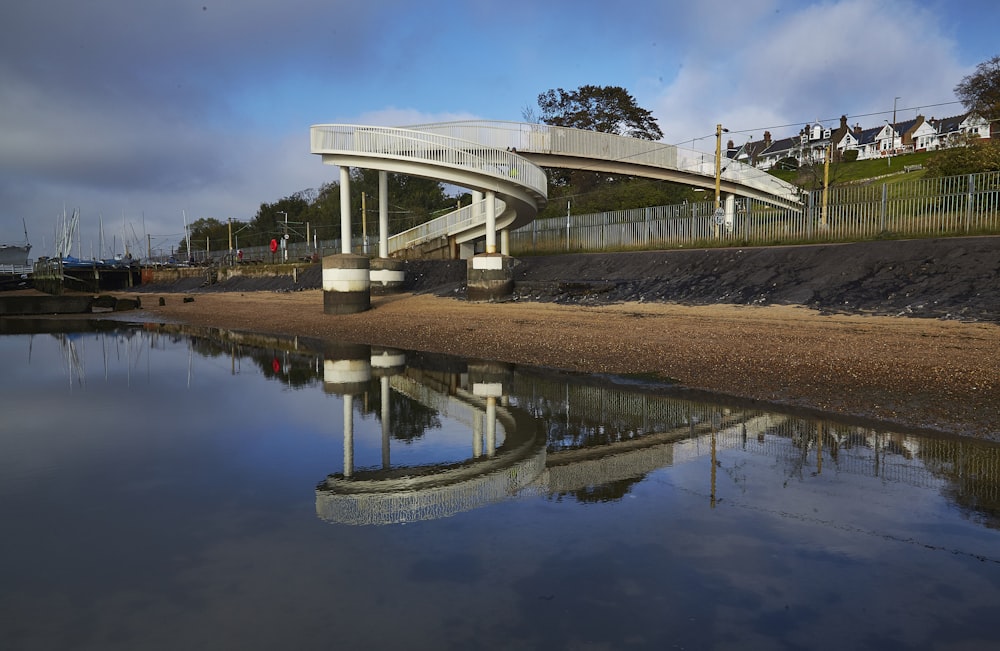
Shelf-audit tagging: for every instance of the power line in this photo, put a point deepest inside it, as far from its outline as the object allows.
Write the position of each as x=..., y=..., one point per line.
x=849, y=117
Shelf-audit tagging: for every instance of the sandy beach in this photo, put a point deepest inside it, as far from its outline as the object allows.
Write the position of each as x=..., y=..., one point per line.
x=920, y=373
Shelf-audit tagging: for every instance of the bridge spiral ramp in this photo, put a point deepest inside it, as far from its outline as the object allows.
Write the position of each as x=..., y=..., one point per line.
x=507, y=158
x=520, y=186
x=567, y=148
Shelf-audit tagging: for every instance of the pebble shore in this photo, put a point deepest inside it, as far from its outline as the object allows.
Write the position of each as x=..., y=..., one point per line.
x=942, y=375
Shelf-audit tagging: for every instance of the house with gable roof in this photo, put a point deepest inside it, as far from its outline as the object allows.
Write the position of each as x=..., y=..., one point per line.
x=958, y=129
x=809, y=146
x=905, y=136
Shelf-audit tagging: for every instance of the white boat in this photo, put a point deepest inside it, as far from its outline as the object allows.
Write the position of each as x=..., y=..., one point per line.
x=15, y=254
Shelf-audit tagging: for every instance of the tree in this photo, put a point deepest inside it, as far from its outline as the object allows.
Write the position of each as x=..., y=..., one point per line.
x=973, y=158
x=980, y=91
x=608, y=109
x=270, y=221
x=413, y=200
x=207, y=231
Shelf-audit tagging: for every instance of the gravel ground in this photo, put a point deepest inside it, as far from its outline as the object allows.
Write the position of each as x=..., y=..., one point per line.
x=829, y=328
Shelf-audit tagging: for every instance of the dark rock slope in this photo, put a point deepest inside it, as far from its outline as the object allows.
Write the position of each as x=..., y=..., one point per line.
x=953, y=278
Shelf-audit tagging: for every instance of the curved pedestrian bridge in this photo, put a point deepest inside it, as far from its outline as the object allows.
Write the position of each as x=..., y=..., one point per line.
x=504, y=161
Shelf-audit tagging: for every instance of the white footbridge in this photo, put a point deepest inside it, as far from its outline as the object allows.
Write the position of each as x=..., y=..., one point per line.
x=501, y=163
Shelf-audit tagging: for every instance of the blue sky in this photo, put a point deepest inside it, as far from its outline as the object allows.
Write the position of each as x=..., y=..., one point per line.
x=141, y=112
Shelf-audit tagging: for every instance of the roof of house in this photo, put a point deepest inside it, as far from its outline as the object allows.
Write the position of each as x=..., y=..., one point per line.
x=948, y=125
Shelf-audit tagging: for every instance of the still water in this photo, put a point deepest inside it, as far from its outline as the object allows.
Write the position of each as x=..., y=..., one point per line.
x=163, y=489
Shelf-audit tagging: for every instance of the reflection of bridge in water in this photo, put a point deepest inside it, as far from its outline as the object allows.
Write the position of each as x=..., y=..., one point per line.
x=563, y=437
x=552, y=435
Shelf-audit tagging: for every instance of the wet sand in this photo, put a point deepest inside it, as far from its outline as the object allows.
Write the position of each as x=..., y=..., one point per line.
x=921, y=373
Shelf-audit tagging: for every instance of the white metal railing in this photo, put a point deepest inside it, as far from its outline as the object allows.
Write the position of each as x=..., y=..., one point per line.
x=435, y=149
x=696, y=162
x=938, y=207
x=456, y=221
x=15, y=269
x=563, y=141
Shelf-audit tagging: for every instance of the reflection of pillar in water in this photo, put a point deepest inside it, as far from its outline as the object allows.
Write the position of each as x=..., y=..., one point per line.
x=386, y=362
x=384, y=383
x=491, y=391
x=819, y=448
x=712, y=499
x=477, y=435
x=348, y=435
x=346, y=371
x=491, y=426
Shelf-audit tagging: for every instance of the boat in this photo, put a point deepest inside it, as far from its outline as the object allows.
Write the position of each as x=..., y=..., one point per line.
x=15, y=255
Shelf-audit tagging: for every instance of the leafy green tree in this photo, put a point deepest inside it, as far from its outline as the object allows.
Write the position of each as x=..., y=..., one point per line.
x=205, y=232
x=413, y=200
x=608, y=109
x=976, y=156
x=980, y=91
x=273, y=220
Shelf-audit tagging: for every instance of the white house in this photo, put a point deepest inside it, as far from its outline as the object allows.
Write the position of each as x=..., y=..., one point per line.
x=906, y=136
x=958, y=129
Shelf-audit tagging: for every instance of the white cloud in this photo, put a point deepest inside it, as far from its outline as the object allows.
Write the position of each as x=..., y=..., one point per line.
x=789, y=68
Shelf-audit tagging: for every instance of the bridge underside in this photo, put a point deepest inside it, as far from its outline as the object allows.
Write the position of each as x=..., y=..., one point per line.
x=693, y=179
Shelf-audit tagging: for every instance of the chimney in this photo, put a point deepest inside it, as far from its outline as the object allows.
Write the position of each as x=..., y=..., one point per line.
x=843, y=122
x=857, y=129
x=729, y=144
x=767, y=139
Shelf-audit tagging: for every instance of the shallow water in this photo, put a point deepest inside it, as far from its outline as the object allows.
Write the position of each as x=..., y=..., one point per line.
x=162, y=490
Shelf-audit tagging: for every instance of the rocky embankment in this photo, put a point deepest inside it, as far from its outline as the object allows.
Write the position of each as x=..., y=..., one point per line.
x=951, y=278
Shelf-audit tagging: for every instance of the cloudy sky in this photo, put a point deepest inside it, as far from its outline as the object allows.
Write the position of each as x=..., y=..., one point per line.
x=144, y=113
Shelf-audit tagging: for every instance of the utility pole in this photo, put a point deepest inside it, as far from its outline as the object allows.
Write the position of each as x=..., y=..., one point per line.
x=717, y=217
x=826, y=186
x=892, y=147
x=718, y=164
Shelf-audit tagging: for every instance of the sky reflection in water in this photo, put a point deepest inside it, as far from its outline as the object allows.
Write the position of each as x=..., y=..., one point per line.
x=167, y=491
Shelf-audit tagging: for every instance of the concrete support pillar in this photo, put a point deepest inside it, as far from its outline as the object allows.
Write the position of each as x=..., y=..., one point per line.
x=491, y=221
x=345, y=209
x=346, y=284
x=383, y=214
x=387, y=276
x=505, y=242
x=730, y=218
x=466, y=250
x=490, y=276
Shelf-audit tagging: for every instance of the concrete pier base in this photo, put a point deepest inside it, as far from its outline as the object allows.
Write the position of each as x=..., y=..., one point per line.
x=490, y=277
x=346, y=284
x=387, y=276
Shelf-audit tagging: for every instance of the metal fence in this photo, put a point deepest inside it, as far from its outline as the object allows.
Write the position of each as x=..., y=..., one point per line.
x=941, y=207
